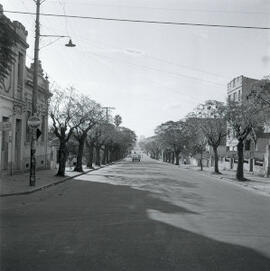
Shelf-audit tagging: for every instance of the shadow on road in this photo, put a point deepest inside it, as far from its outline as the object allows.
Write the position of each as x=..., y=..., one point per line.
x=94, y=226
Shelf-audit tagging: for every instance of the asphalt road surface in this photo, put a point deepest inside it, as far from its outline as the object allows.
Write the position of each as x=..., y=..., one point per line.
x=140, y=217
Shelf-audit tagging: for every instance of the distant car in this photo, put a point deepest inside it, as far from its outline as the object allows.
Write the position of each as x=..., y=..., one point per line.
x=136, y=158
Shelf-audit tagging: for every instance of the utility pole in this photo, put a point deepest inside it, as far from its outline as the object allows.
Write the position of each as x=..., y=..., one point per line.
x=107, y=109
x=34, y=120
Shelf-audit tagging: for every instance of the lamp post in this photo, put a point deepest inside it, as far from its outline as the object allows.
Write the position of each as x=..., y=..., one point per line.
x=34, y=99
x=34, y=120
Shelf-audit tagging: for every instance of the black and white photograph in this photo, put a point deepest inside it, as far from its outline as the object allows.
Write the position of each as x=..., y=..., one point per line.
x=134, y=135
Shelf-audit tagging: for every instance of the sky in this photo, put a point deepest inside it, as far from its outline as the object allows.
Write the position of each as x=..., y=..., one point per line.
x=150, y=73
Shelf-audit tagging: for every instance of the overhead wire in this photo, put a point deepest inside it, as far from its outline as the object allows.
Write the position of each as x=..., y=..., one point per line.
x=160, y=70
x=168, y=9
x=162, y=60
x=127, y=20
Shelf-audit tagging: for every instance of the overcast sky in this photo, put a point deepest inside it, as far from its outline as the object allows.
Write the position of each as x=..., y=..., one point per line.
x=150, y=73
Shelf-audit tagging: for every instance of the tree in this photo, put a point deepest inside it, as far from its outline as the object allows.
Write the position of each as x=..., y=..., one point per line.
x=260, y=92
x=109, y=134
x=243, y=118
x=152, y=146
x=117, y=120
x=209, y=117
x=197, y=145
x=124, y=142
x=8, y=39
x=88, y=114
x=63, y=111
x=90, y=144
x=173, y=134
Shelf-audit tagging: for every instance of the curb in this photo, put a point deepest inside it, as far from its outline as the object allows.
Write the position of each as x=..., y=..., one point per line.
x=232, y=181
x=51, y=184
x=226, y=179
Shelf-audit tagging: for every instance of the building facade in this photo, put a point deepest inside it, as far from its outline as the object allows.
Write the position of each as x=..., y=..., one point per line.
x=15, y=109
x=255, y=153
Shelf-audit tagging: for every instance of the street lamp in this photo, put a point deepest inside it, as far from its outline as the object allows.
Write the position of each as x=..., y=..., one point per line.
x=34, y=120
x=69, y=44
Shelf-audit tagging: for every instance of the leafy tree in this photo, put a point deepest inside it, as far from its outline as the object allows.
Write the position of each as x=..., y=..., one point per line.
x=88, y=114
x=63, y=112
x=175, y=135
x=152, y=146
x=90, y=144
x=8, y=39
x=243, y=118
x=117, y=120
x=109, y=134
x=209, y=117
x=197, y=145
x=260, y=92
x=124, y=142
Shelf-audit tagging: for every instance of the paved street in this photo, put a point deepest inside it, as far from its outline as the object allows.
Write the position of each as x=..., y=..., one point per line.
x=137, y=216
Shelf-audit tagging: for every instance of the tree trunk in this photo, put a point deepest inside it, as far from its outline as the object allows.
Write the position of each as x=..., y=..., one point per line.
x=240, y=165
x=105, y=155
x=172, y=153
x=62, y=158
x=201, y=161
x=169, y=157
x=78, y=166
x=177, y=158
x=108, y=155
x=97, y=155
x=90, y=155
x=215, y=149
x=112, y=155
x=103, y=160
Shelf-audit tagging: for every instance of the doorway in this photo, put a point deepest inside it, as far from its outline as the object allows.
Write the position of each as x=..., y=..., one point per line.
x=4, y=148
x=18, y=136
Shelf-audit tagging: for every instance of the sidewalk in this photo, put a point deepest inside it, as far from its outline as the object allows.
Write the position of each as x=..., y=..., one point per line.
x=19, y=184
x=260, y=184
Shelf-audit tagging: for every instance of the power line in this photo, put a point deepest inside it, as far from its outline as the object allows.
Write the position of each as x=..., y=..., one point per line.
x=175, y=74
x=167, y=8
x=157, y=59
x=141, y=21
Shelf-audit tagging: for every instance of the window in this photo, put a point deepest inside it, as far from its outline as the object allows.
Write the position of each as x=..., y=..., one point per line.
x=234, y=96
x=247, y=145
x=43, y=127
x=27, y=129
x=20, y=71
x=239, y=95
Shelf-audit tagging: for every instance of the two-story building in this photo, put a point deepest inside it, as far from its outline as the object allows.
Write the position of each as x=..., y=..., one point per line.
x=15, y=109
